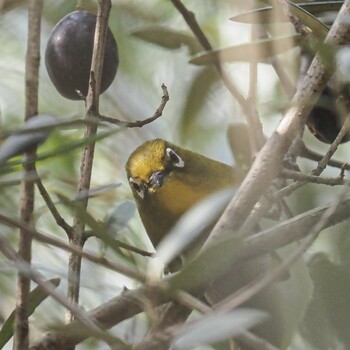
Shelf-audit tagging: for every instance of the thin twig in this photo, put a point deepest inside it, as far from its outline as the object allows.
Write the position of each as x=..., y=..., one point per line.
x=47, y=239
x=140, y=123
x=333, y=147
x=118, y=244
x=321, y=164
x=133, y=249
x=51, y=206
x=312, y=155
x=305, y=178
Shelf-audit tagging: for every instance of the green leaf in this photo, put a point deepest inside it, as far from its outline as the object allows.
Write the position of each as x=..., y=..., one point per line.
x=259, y=51
x=118, y=218
x=238, y=136
x=327, y=317
x=36, y=297
x=216, y=327
x=197, y=97
x=318, y=28
x=268, y=14
x=167, y=38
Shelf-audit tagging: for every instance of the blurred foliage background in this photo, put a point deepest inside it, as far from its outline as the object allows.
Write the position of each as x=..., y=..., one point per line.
x=196, y=117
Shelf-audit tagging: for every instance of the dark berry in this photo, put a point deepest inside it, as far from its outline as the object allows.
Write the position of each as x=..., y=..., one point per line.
x=69, y=52
x=324, y=121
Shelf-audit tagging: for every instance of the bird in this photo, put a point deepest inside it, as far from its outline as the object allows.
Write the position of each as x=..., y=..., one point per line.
x=167, y=181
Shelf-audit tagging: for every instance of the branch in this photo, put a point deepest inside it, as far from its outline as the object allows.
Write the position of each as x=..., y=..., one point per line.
x=267, y=163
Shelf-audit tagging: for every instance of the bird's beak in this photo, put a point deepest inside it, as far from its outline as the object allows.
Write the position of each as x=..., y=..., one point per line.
x=157, y=179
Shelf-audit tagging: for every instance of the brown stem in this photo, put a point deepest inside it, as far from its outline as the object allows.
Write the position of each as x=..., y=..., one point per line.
x=21, y=338
x=92, y=110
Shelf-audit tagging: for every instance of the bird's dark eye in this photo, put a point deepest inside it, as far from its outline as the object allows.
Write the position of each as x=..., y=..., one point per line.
x=174, y=158
x=138, y=187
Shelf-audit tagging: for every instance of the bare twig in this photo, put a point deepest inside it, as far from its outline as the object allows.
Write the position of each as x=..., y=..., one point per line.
x=50, y=204
x=305, y=178
x=333, y=147
x=320, y=166
x=21, y=338
x=140, y=123
x=133, y=249
x=312, y=155
x=44, y=238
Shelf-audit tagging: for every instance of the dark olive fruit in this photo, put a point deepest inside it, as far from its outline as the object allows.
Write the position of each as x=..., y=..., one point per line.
x=324, y=122
x=69, y=53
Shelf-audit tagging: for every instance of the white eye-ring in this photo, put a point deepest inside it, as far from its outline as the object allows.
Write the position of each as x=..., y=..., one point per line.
x=175, y=159
x=138, y=187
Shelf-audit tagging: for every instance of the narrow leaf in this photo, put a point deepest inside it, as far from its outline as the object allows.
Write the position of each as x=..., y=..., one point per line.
x=217, y=327
x=29, y=136
x=167, y=38
x=317, y=27
x=198, y=95
x=119, y=217
x=268, y=14
x=259, y=51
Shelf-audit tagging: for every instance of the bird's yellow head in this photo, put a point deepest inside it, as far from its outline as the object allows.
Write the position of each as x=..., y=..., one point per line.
x=150, y=164
x=167, y=180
